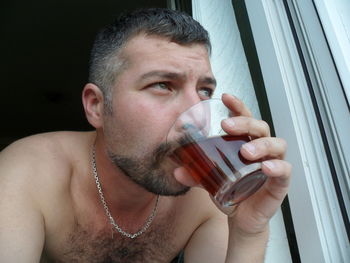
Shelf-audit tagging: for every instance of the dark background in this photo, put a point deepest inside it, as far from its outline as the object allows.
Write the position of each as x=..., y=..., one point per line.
x=45, y=48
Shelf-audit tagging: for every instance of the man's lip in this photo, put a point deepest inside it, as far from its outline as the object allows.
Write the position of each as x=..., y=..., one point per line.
x=173, y=157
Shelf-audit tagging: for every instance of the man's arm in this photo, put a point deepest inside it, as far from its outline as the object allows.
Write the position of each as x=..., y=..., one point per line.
x=214, y=241
x=247, y=248
x=209, y=242
x=21, y=222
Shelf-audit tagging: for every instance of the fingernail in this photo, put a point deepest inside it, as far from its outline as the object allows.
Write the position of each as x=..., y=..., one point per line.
x=230, y=123
x=250, y=148
x=269, y=164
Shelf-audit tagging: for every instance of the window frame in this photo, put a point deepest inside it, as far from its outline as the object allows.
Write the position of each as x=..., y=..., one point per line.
x=182, y=5
x=317, y=217
x=337, y=30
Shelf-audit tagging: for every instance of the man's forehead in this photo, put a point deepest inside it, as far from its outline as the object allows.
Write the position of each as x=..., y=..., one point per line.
x=146, y=54
x=144, y=43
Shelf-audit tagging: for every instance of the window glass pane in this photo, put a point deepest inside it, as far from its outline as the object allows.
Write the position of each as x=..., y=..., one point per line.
x=228, y=60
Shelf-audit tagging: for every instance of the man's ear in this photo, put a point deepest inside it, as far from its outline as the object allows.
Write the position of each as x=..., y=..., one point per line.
x=93, y=105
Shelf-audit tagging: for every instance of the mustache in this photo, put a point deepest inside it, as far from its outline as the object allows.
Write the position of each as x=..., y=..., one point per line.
x=165, y=149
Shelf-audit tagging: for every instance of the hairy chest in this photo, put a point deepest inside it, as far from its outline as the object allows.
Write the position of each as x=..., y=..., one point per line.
x=158, y=244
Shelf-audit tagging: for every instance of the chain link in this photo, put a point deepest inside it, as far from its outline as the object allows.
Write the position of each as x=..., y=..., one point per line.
x=109, y=215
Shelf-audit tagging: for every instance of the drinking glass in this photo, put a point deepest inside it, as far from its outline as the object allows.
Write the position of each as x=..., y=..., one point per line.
x=211, y=156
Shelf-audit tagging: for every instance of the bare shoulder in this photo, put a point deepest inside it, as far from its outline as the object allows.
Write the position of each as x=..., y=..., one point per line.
x=35, y=180
x=34, y=164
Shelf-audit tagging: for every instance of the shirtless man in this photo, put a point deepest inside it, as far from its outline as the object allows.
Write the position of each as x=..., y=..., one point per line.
x=145, y=70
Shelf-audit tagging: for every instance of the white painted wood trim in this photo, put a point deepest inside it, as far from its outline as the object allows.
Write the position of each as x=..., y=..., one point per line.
x=316, y=215
x=335, y=18
x=337, y=29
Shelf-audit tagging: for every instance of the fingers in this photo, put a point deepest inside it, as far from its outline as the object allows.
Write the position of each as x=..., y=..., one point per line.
x=241, y=121
x=279, y=169
x=237, y=107
x=247, y=126
x=279, y=173
x=183, y=177
x=263, y=204
x=270, y=196
x=264, y=148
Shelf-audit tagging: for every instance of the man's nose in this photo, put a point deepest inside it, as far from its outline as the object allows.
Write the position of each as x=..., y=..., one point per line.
x=195, y=118
x=189, y=99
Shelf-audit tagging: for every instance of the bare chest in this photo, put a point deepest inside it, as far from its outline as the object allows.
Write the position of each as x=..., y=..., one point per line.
x=158, y=244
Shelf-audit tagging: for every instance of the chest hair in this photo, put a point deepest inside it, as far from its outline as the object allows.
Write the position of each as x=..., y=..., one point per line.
x=157, y=244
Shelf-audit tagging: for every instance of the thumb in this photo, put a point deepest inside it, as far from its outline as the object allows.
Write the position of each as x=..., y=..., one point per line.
x=184, y=177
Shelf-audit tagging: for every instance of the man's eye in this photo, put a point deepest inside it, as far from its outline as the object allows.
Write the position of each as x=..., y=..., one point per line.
x=161, y=85
x=161, y=88
x=206, y=92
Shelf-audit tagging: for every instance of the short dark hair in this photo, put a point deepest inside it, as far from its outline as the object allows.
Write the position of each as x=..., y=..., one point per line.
x=105, y=65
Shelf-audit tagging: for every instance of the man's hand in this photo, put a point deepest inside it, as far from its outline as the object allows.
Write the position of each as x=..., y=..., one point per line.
x=252, y=215
x=248, y=221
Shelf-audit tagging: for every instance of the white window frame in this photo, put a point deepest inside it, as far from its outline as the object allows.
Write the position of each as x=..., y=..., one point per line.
x=335, y=97
x=335, y=17
x=317, y=218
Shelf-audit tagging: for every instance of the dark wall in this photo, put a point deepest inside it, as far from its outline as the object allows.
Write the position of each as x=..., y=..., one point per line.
x=45, y=49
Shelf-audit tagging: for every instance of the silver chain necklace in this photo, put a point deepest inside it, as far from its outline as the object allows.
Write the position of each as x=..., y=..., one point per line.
x=111, y=219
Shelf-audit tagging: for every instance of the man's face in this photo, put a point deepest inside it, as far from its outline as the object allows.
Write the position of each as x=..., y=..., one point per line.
x=162, y=79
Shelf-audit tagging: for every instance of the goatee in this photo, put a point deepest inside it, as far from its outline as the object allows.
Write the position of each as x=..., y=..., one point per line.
x=148, y=172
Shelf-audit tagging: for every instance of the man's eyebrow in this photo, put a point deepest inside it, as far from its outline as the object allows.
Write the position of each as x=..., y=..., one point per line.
x=162, y=74
x=208, y=81
x=174, y=75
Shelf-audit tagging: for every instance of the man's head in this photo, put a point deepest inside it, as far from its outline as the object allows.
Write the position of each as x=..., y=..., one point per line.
x=107, y=60
x=141, y=80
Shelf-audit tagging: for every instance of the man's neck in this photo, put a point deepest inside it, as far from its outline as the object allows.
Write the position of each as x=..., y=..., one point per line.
x=122, y=195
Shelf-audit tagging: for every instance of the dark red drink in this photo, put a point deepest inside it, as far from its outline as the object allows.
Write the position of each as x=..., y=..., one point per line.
x=218, y=166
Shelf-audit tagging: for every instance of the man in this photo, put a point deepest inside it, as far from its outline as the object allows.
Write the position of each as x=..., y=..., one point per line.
x=111, y=195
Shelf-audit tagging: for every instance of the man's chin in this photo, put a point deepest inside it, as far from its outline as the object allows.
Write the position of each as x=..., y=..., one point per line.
x=181, y=192
x=157, y=178
x=175, y=189
x=184, y=189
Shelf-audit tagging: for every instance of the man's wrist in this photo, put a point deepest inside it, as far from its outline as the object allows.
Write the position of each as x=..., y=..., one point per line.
x=247, y=246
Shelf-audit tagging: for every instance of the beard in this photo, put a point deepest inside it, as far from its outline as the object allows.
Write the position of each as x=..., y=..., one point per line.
x=148, y=172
